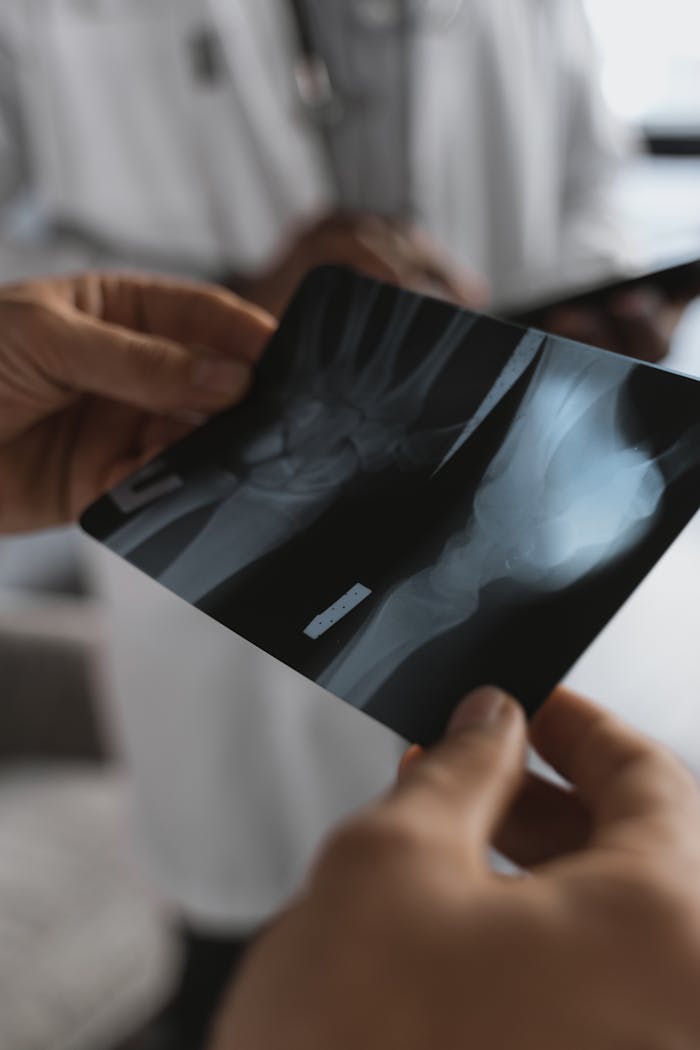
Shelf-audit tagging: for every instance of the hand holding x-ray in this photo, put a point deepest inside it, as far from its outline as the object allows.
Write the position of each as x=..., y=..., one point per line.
x=99, y=372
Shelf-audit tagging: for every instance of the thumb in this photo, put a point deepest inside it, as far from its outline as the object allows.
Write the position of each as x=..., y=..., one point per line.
x=149, y=372
x=636, y=791
x=470, y=778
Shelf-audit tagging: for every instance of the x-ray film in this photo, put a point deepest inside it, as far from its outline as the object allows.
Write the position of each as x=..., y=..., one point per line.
x=416, y=500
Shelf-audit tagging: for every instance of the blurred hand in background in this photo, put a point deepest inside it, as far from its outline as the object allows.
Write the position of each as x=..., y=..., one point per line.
x=638, y=323
x=386, y=250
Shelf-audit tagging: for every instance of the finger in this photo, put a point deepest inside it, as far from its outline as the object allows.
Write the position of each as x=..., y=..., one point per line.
x=114, y=441
x=109, y=438
x=634, y=789
x=341, y=221
x=181, y=311
x=467, y=782
x=160, y=432
x=544, y=822
x=143, y=371
x=413, y=754
x=155, y=436
x=420, y=264
x=458, y=283
x=362, y=253
x=460, y=287
x=637, y=321
x=367, y=243
x=582, y=324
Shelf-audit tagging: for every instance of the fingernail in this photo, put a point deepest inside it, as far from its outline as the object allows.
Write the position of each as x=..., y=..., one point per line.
x=479, y=710
x=409, y=758
x=219, y=375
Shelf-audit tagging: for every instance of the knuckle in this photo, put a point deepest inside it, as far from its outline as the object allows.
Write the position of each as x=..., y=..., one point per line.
x=638, y=759
x=646, y=892
x=159, y=369
x=658, y=904
x=36, y=328
x=669, y=787
x=27, y=309
x=482, y=757
x=677, y=776
x=367, y=845
x=442, y=780
x=632, y=756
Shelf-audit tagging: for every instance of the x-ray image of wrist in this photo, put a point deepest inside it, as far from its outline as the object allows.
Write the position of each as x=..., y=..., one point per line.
x=415, y=500
x=565, y=493
x=335, y=417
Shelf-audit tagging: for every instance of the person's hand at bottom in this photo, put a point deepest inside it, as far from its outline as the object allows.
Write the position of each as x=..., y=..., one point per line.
x=404, y=937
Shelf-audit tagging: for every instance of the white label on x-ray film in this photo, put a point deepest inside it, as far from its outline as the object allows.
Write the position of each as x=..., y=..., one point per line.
x=150, y=484
x=338, y=611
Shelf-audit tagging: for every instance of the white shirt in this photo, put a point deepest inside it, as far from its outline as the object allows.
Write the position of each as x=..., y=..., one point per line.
x=238, y=764
x=512, y=146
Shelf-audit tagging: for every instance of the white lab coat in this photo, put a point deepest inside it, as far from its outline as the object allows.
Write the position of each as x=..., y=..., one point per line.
x=512, y=145
x=238, y=764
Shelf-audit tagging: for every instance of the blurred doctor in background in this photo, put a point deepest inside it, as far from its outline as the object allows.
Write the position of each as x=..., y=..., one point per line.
x=251, y=140
x=457, y=146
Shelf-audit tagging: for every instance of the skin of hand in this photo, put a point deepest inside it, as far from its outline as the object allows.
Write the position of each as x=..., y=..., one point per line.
x=99, y=372
x=405, y=938
x=638, y=324
x=384, y=249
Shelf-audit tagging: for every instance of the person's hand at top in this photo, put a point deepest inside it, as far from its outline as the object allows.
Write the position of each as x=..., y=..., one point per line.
x=638, y=323
x=99, y=372
x=404, y=936
x=381, y=248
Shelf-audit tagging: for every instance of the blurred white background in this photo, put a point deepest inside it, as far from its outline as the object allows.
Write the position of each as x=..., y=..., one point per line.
x=651, y=60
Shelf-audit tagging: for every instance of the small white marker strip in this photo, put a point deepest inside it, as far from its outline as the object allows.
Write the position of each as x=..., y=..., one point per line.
x=338, y=611
x=138, y=492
